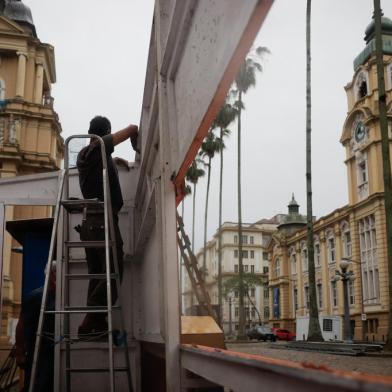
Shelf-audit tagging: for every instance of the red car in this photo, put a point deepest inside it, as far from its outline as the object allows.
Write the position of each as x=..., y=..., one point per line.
x=284, y=334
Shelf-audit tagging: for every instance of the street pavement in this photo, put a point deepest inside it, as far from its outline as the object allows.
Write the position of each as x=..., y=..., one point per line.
x=381, y=365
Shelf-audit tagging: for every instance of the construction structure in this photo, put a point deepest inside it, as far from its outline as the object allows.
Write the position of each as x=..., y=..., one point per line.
x=187, y=79
x=355, y=231
x=30, y=140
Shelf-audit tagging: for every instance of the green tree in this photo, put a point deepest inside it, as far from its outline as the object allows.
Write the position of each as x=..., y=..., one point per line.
x=245, y=79
x=314, y=332
x=225, y=116
x=210, y=146
x=192, y=175
x=249, y=281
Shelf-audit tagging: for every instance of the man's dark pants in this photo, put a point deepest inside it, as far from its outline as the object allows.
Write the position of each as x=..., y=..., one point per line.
x=93, y=229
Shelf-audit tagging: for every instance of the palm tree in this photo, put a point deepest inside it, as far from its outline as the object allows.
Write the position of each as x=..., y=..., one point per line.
x=192, y=175
x=314, y=332
x=245, y=79
x=210, y=146
x=225, y=116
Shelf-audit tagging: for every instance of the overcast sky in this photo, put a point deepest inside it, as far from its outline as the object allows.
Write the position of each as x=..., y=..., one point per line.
x=101, y=53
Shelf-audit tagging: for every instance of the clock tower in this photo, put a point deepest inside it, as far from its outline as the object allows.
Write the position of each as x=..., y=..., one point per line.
x=361, y=132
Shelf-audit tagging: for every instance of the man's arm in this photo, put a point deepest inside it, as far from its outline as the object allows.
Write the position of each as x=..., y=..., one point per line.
x=130, y=132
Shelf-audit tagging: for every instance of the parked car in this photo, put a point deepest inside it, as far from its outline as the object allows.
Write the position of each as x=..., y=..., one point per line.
x=284, y=334
x=261, y=332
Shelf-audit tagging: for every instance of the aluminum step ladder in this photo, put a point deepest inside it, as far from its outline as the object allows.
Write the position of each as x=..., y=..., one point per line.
x=61, y=235
x=195, y=275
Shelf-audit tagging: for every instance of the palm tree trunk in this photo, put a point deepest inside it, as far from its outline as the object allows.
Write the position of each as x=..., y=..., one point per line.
x=193, y=218
x=220, y=290
x=205, y=220
x=314, y=333
x=385, y=156
x=241, y=320
x=254, y=307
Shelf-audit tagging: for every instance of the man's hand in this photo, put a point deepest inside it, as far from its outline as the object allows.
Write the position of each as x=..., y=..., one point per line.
x=134, y=136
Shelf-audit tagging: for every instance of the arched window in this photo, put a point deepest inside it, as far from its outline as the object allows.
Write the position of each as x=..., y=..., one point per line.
x=361, y=86
x=2, y=90
x=317, y=252
x=277, y=268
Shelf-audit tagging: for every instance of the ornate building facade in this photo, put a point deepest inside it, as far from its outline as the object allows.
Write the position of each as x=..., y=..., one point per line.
x=355, y=231
x=30, y=140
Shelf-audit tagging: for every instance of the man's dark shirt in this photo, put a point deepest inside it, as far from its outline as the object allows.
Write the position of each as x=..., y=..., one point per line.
x=89, y=164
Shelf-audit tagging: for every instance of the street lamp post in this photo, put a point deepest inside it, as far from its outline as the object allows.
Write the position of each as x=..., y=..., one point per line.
x=345, y=276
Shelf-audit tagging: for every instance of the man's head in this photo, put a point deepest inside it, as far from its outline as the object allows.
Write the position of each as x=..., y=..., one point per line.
x=100, y=126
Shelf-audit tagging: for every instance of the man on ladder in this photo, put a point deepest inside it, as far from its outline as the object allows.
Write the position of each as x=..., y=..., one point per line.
x=89, y=164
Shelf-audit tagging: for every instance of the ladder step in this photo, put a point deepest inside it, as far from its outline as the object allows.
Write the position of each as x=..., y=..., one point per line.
x=97, y=370
x=87, y=244
x=82, y=309
x=89, y=276
x=77, y=205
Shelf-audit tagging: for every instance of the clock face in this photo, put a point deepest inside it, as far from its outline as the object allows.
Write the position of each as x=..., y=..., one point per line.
x=360, y=131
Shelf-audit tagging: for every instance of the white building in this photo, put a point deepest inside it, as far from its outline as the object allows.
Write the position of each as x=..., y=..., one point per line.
x=255, y=260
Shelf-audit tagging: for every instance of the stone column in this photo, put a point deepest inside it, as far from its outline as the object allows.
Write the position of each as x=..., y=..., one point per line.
x=39, y=82
x=21, y=74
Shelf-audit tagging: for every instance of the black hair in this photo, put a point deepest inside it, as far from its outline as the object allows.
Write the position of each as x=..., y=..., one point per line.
x=100, y=126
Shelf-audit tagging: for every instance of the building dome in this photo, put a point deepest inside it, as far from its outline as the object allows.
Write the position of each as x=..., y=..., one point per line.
x=386, y=28
x=20, y=13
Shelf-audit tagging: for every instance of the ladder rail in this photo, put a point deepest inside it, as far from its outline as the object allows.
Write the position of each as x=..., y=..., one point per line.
x=195, y=276
x=46, y=284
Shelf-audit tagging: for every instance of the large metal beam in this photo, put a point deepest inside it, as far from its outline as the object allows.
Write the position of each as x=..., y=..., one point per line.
x=252, y=373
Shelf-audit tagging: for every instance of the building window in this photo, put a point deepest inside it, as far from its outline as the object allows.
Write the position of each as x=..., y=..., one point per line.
x=320, y=295
x=265, y=256
x=236, y=293
x=371, y=326
x=252, y=292
x=362, y=176
x=252, y=240
x=2, y=90
x=351, y=295
x=246, y=268
x=252, y=269
x=346, y=237
x=253, y=313
x=265, y=270
x=266, y=313
x=236, y=312
x=327, y=325
x=266, y=292
x=236, y=253
x=244, y=239
x=331, y=249
x=236, y=268
x=361, y=86
x=389, y=77
x=295, y=299
x=369, y=261
x=235, y=238
x=293, y=259
x=245, y=254
x=317, y=255
x=334, y=294
x=304, y=253
x=236, y=327
x=307, y=297
x=277, y=268
x=252, y=254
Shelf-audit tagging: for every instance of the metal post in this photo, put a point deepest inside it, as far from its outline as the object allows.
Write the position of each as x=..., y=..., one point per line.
x=347, y=329
x=2, y=226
